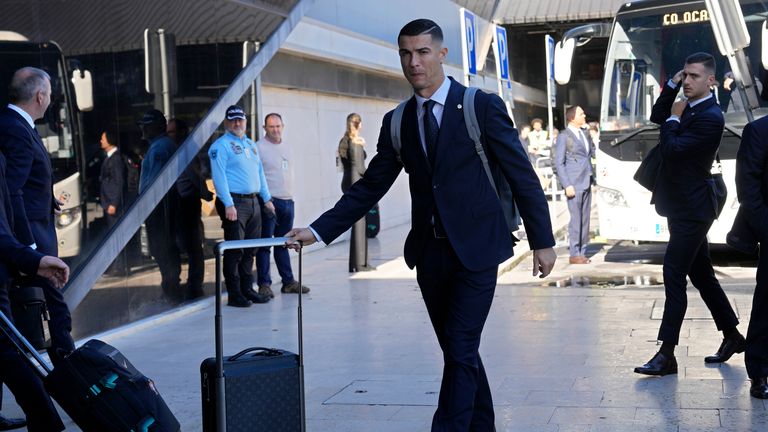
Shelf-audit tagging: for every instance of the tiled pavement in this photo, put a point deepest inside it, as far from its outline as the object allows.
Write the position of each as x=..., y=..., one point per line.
x=558, y=358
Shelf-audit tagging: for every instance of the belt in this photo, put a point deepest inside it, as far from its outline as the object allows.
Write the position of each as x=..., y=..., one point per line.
x=250, y=195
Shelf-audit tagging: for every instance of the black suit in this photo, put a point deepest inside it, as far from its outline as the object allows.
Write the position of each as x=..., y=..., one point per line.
x=456, y=274
x=14, y=370
x=752, y=189
x=30, y=184
x=111, y=193
x=684, y=194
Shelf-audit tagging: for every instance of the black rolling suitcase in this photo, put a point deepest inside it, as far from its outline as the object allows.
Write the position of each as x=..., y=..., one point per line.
x=99, y=388
x=257, y=389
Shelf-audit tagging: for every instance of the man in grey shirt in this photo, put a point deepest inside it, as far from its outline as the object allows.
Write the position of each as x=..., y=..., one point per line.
x=277, y=158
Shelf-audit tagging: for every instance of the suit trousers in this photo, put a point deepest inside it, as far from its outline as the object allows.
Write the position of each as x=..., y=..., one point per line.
x=580, y=208
x=44, y=232
x=238, y=263
x=688, y=254
x=458, y=301
x=756, y=355
x=22, y=381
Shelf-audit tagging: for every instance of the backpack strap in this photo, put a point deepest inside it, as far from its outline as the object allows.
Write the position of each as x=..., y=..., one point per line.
x=473, y=128
x=394, y=128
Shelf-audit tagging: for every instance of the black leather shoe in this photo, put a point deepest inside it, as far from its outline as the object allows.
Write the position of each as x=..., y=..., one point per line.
x=238, y=301
x=659, y=365
x=730, y=346
x=11, y=423
x=256, y=297
x=759, y=388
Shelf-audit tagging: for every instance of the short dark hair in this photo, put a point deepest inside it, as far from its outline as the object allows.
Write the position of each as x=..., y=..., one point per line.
x=570, y=112
x=25, y=84
x=112, y=137
x=704, y=59
x=274, y=114
x=420, y=27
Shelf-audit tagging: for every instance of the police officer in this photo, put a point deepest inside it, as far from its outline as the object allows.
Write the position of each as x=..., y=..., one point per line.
x=238, y=176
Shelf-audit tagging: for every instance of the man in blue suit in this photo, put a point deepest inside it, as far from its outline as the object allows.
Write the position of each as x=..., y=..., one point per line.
x=15, y=372
x=574, y=151
x=752, y=189
x=30, y=184
x=690, y=135
x=458, y=232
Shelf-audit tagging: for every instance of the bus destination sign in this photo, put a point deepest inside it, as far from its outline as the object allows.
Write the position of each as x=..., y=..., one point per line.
x=688, y=17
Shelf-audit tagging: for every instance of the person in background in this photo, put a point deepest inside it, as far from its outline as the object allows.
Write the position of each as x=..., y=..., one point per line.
x=112, y=188
x=353, y=155
x=161, y=223
x=238, y=176
x=690, y=134
x=190, y=188
x=277, y=158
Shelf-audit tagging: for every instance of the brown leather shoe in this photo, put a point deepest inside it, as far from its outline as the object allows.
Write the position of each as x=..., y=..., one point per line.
x=578, y=259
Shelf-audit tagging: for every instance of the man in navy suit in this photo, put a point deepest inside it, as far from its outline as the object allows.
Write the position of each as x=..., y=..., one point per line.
x=573, y=158
x=458, y=232
x=690, y=135
x=15, y=372
x=111, y=190
x=752, y=189
x=30, y=184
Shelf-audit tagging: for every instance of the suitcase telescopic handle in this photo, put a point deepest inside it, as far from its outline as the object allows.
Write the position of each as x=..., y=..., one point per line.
x=222, y=247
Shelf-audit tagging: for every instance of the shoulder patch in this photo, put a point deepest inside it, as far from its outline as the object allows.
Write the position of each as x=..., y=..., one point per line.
x=213, y=153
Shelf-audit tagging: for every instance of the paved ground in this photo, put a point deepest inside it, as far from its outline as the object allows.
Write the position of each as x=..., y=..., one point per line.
x=559, y=357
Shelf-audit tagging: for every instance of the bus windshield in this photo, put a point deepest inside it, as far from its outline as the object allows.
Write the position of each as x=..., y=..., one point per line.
x=55, y=127
x=649, y=46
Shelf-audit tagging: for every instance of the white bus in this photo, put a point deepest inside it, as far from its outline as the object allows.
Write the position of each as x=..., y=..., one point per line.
x=60, y=128
x=649, y=41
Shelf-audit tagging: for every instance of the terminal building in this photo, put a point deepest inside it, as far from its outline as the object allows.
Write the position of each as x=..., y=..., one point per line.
x=314, y=62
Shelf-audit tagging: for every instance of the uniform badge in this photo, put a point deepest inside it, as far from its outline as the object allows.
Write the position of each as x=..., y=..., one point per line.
x=236, y=148
x=213, y=154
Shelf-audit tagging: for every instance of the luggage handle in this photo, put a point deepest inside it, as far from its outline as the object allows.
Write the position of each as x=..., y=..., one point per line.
x=270, y=352
x=219, y=250
x=27, y=349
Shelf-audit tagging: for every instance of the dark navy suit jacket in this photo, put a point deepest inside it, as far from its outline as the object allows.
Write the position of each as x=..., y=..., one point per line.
x=112, y=179
x=752, y=178
x=30, y=179
x=457, y=185
x=684, y=188
x=13, y=255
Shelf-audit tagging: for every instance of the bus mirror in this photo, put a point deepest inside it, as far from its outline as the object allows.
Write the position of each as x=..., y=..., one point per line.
x=83, y=84
x=764, y=44
x=563, y=56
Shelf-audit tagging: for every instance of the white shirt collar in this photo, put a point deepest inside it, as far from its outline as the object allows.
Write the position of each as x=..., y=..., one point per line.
x=698, y=101
x=111, y=151
x=440, y=95
x=24, y=114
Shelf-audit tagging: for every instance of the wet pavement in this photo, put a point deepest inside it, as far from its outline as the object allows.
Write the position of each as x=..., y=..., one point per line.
x=559, y=352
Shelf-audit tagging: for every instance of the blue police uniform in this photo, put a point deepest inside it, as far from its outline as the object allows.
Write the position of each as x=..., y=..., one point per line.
x=238, y=176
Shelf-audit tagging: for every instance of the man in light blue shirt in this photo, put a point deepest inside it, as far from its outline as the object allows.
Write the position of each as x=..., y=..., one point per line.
x=238, y=176
x=161, y=222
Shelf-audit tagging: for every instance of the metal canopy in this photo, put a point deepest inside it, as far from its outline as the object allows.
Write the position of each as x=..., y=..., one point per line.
x=544, y=11
x=119, y=24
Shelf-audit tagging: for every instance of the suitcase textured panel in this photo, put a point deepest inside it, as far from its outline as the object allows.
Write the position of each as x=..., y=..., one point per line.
x=257, y=389
x=262, y=391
